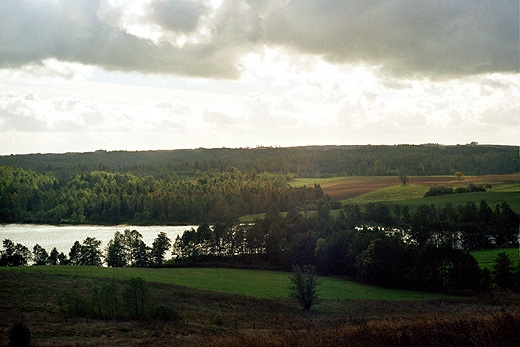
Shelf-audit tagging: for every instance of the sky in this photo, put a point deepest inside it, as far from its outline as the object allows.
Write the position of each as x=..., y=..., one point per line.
x=84, y=75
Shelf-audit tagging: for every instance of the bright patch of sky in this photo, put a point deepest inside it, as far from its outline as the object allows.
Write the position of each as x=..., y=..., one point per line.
x=164, y=74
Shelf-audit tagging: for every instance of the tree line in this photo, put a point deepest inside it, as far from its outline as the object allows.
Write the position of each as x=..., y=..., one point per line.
x=308, y=161
x=101, y=197
x=126, y=248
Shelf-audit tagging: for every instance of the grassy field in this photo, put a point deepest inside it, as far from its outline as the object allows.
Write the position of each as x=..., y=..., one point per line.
x=255, y=283
x=486, y=258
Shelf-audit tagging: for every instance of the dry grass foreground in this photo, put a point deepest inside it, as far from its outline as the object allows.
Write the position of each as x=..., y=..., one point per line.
x=215, y=319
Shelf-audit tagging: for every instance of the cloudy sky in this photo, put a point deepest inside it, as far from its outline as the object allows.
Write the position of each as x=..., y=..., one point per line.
x=82, y=75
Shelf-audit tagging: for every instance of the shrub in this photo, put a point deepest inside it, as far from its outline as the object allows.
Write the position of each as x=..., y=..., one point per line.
x=165, y=313
x=217, y=320
x=304, y=286
x=440, y=190
x=136, y=296
x=19, y=335
x=503, y=272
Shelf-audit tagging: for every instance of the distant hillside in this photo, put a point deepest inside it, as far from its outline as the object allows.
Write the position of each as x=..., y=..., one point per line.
x=308, y=161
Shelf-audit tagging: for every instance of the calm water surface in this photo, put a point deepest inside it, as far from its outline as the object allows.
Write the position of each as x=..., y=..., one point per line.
x=63, y=237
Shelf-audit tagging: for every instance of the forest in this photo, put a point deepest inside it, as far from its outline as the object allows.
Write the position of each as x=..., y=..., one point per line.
x=102, y=197
x=309, y=161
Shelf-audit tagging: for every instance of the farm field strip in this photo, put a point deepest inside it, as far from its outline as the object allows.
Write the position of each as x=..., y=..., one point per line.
x=363, y=190
x=342, y=188
x=255, y=283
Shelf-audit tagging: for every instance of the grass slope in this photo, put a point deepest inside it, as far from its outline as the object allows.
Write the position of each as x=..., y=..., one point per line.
x=255, y=283
x=390, y=193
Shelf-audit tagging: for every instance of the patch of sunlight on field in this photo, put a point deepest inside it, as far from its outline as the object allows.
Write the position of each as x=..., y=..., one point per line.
x=509, y=188
x=391, y=193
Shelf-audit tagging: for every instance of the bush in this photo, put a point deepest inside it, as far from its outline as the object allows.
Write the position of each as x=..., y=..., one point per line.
x=440, y=190
x=165, y=313
x=217, y=320
x=73, y=304
x=136, y=296
x=304, y=286
x=19, y=335
x=504, y=272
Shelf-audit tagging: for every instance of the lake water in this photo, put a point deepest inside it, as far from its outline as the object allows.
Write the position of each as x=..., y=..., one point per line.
x=63, y=237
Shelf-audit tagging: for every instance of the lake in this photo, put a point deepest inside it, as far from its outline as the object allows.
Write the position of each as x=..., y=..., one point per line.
x=63, y=237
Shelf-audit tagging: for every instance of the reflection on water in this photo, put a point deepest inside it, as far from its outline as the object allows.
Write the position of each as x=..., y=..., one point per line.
x=63, y=237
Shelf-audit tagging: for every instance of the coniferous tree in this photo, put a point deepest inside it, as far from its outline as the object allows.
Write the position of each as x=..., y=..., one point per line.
x=503, y=272
x=40, y=255
x=116, y=251
x=90, y=252
x=54, y=257
x=160, y=246
x=304, y=286
x=75, y=254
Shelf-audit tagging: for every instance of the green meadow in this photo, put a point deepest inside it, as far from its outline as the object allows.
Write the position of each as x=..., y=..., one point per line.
x=255, y=283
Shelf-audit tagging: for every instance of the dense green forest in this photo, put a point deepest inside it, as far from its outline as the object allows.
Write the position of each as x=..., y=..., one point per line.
x=103, y=197
x=312, y=161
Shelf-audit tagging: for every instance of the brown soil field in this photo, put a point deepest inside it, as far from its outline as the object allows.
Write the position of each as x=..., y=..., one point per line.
x=348, y=187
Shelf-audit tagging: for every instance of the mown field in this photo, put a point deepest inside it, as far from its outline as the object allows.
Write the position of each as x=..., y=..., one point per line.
x=217, y=318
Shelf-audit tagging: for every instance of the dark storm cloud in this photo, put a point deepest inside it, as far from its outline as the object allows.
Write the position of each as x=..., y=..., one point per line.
x=404, y=37
x=177, y=15
x=31, y=32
